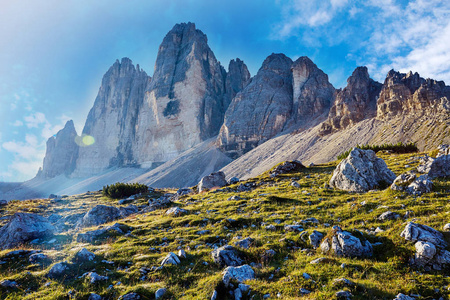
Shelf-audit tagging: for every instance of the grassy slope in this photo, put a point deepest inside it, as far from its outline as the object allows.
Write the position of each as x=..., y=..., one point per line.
x=275, y=202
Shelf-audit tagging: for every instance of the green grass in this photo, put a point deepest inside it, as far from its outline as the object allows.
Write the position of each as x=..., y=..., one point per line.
x=273, y=201
x=394, y=148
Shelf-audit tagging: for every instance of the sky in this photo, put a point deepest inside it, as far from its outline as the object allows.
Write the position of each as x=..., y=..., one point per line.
x=53, y=53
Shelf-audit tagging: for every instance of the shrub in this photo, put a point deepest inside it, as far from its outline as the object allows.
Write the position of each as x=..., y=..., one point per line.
x=395, y=148
x=122, y=190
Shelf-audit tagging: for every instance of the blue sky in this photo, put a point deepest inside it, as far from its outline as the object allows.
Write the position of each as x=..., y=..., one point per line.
x=53, y=53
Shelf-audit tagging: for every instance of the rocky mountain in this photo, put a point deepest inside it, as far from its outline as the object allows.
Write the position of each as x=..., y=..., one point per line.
x=357, y=101
x=282, y=95
x=112, y=120
x=61, y=153
x=193, y=117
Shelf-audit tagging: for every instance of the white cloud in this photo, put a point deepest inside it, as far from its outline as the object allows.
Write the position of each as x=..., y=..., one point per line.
x=36, y=119
x=17, y=123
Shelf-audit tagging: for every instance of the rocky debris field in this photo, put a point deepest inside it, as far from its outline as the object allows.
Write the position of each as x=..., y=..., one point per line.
x=329, y=231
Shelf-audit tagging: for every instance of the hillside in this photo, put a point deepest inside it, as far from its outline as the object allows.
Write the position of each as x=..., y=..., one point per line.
x=281, y=259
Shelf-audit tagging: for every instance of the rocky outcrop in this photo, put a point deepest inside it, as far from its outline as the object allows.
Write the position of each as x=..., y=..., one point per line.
x=357, y=101
x=410, y=183
x=213, y=180
x=62, y=152
x=227, y=256
x=435, y=167
x=260, y=110
x=185, y=104
x=361, y=171
x=313, y=93
x=406, y=93
x=343, y=243
x=237, y=78
x=22, y=228
x=283, y=95
x=110, y=127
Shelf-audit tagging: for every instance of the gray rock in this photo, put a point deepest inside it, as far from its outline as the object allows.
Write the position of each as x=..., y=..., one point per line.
x=53, y=218
x=58, y=270
x=417, y=232
x=343, y=282
x=425, y=251
x=403, y=297
x=343, y=243
x=94, y=277
x=94, y=296
x=245, y=243
x=293, y=228
x=160, y=293
x=361, y=171
x=24, y=227
x=128, y=210
x=61, y=154
x=420, y=185
x=356, y=102
x=315, y=238
x=240, y=274
x=181, y=253
x=3, y=202
x=37, y=257
x=403, y=181
x=320, y=260
x=440, y=167
x=237, y=294
x=344, y=294
x=130, y=296
x=227, y=256
x=213, y=180
x=8, y=284
x=447, y=227
x=175, y=211
x=214, y=295
x=170, y=259
x=94, y=235
x=184, y=191
x=233, y=180
x=286, y=167
x=84, y=255
x=296, y=184
x=100, y=214
x=388, y=215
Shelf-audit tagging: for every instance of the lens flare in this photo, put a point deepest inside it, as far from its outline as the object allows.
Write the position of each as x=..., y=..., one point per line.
x=85, y=140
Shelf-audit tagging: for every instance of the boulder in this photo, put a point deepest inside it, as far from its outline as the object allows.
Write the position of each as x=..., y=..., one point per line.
x=447, y=227
x=84, y=255
x=227, y=256
x=94, y=277
x=24, y=227
x=403, y=181
x=233, y=180
x=343, y=243
x=94, y=296
x=244, y=243
x=58, y=270
x=94, y=235
x=443, y=150
x=293, y=228
x=184, y=191
x=286, y=167
x=160, y=293
x=37, y=257
x=240, y=274
x=388, y=215
x=213, y=180
x=175, y=211
x=128, y=210
x=361, y=171
x=170, y=259
x=8, y=284
x=130, y=296
x=100, y=214
x=440, y=167
x=408, y=182
x=417, y=232
x=314, y=238
x=403, y=297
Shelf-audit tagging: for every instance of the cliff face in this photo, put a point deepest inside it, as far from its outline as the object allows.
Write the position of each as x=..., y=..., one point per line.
x=185, y=103
x=61, y=153
x=282, y=95
x=410, y=93
x=111, y=121
x=356, y=102
x=261, y=109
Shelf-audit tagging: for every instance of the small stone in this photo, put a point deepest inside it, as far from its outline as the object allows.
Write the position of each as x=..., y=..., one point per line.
x=181, y=253
x=447, y=227
x=344, y=294
x=93, y=296
x=304, y=291
x=170, y=259
x=160, y=293
x=84, y=255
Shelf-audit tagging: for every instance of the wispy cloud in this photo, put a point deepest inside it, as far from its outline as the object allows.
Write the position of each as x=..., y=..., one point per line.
x=381, y=34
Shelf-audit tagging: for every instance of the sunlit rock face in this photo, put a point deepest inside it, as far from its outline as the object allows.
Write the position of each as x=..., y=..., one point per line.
x=186, y=101
x=410, y=93
x=356, y=102
x=61, y=153
x=282, y=95
x=111, y=121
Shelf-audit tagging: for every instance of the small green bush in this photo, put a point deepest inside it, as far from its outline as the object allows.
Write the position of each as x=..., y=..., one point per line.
x=122, y=190
x=395, y=148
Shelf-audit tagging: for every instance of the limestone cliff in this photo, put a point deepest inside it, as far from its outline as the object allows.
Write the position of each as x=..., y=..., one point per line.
x=61, y=153
x=185, y=103
x=111, y=121
x=357, y=101
x=260, y=110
